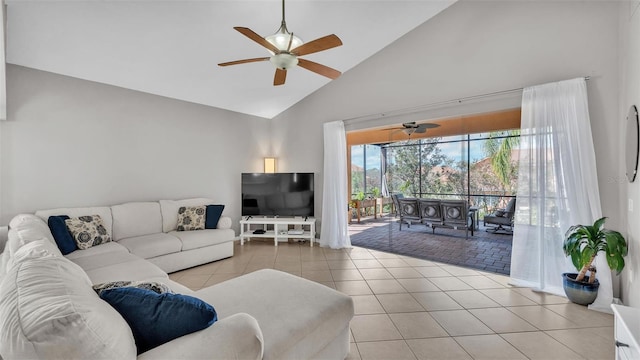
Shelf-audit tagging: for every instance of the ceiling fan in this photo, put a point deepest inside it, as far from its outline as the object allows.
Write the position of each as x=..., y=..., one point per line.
x=286, y=50
x=412, y=127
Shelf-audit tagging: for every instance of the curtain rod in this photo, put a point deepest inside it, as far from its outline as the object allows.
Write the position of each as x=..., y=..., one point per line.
x=435, y=104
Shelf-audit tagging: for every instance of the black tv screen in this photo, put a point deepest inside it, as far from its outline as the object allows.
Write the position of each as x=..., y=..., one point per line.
x=281, y=194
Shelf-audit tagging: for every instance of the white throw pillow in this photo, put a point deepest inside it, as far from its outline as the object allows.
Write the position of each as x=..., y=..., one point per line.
x=48, y=310
x=224, y=223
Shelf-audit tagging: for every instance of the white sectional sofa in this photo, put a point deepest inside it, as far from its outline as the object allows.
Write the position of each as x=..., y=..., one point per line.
x=49, y=310
x=148, y=230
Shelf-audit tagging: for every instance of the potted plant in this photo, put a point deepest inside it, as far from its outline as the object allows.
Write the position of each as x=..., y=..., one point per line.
x=582, y=243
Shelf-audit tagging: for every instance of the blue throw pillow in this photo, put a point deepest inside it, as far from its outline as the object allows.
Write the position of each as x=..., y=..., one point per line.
x=155, y=318
x=61, y=234
x=213, y=216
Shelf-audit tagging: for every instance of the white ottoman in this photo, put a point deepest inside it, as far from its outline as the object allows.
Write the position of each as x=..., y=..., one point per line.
x=299, y=319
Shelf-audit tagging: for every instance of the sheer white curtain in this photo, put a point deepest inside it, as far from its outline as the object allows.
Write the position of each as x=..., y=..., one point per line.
x=557, y=186
x=335, y=231
x=3, y=78
x=383, y=170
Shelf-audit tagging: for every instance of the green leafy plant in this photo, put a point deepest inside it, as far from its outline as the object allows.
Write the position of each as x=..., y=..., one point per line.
x=375, y=192
x=583, y=242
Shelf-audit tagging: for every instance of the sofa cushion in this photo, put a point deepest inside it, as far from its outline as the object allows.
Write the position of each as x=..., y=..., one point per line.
x=98, y=261
x=169, y=209
x=110, y=247
x=88, y=231
x=135, y=269
x=103, y=211
x=298, y=333
x=191, y=218
x=214, y=212
x=37, y=248
x=136, y=219
x=159, y=318
x=197, y=239
x=27, y=228
x=235, y=337
x=148, y=246
x=61, y=234
x=49, y=310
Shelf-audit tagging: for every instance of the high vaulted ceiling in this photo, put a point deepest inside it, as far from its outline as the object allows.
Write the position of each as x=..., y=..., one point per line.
x=172, y=48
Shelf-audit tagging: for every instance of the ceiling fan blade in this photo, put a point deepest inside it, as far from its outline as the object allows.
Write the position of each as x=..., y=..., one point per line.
x=420, y=130
x=244, y=61
x=323, y=43
x=428, y=125
x=280, y=77
x=257, y=38
x=319, y=68
x=392, y=130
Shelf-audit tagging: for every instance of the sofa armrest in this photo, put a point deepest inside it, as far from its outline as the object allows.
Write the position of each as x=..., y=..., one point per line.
x=224, y=223
x=235, y=337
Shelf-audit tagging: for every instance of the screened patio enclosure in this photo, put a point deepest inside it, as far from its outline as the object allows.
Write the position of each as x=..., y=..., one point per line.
x=481, y=168
x=475, y=161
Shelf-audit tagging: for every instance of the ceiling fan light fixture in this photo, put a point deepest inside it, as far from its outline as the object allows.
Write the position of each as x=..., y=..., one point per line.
x=284, y=61
x=281, y=39
x=408, y=131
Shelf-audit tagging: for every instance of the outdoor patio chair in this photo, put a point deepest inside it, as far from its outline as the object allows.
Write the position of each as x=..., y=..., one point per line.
x=409, y=211
x=456, y=214
x=501, y=219
x=396, y=204
x=430, y=213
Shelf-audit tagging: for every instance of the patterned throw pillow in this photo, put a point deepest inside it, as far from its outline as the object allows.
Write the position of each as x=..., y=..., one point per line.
x=87, y=231
x=156, y=287
x=191, y=218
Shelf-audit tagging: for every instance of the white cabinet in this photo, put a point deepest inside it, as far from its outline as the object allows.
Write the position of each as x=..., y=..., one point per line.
x=279, y=228
x=626, y=332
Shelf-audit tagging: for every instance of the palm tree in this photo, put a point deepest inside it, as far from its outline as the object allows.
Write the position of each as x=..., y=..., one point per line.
x=499, y=147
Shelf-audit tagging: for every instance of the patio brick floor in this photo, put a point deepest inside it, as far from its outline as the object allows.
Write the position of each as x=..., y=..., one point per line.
x=483, y=251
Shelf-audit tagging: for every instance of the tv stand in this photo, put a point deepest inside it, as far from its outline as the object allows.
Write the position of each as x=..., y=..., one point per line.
x=279, y=228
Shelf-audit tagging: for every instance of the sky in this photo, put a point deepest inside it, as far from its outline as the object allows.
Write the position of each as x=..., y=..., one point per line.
x=451, y=150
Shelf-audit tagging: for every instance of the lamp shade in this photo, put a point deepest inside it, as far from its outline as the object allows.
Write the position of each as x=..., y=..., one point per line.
x=270, y=165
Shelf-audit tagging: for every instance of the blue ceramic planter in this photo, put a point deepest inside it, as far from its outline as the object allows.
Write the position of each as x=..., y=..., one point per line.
x=579, y=292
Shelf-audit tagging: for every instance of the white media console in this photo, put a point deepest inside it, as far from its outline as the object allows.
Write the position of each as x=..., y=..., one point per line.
x=278, y=228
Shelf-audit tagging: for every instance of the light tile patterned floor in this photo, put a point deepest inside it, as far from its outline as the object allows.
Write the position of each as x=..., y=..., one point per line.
x=408, y=308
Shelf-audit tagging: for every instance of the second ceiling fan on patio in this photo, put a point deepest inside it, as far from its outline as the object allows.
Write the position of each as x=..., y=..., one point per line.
x=413, y=127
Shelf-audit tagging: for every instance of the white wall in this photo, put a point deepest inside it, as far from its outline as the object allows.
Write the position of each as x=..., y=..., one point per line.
x=71, y=142
x=630, y=95
x=472, y=48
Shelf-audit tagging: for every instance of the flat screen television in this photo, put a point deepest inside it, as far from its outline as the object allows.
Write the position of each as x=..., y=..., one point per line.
x=279, y=194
